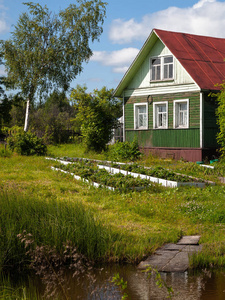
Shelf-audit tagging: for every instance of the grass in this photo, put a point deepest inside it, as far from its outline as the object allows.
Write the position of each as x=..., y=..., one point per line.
x=131, y=224
x=20, y=291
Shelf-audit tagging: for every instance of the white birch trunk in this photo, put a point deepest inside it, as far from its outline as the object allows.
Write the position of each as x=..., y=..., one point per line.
x=26, y=123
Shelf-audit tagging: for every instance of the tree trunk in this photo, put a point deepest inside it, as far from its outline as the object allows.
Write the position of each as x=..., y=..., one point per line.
x=26, y=123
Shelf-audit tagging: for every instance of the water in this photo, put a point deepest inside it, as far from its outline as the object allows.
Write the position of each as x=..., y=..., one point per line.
x=204, y=285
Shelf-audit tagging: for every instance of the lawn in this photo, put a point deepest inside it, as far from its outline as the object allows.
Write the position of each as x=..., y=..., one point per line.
x=116, y=226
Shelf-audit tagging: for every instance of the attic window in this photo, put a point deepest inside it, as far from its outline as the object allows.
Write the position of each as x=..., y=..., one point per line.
x=162, y=68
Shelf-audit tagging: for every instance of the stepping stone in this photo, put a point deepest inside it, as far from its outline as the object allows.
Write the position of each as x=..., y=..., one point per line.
x=189, y=240
x=179, y=263
x=173, y=257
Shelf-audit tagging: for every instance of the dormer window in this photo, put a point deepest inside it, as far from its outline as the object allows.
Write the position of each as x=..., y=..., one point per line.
x=162, y=68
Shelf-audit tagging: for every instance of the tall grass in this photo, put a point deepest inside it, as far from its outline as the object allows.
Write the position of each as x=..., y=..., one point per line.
x=4, y=151
x=55, y=208
x=19, y=291
x=51, y=222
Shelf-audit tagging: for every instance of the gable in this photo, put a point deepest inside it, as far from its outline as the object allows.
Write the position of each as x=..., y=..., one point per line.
x=198, y=62
x=142, y=77
x=202, y=56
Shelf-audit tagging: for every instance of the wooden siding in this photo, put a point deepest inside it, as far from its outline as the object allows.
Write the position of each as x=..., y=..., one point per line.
x=141, y=78
x=210, y=122
x=165, y=137
x=183, y=138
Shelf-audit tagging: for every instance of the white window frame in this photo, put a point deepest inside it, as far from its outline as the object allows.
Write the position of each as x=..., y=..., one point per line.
x=156, y=115
x=136, y=116
x=176, y=122
x=162, y=64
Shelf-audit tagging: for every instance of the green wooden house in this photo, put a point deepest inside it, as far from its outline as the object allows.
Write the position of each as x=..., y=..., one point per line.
x=166, y=95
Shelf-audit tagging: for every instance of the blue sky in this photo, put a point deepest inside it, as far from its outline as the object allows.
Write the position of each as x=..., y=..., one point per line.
x=126, y=27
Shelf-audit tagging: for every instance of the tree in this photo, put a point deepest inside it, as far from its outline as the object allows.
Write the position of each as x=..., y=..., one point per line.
x=53, y=119
x=97, y=115
x=221, y=118
x=47, y=50
x=5, y=102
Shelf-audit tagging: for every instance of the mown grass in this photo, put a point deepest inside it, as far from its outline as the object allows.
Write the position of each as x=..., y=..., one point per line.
x=131, y=224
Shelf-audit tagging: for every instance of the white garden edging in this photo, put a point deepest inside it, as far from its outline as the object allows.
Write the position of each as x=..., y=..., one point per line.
x=95, y=184
x=163, y=182
x=112, y=170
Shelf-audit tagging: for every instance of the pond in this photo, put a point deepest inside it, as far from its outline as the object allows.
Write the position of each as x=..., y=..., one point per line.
x=204, y=285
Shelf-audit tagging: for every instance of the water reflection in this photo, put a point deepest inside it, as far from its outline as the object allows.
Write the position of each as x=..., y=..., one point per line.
x=202, y=286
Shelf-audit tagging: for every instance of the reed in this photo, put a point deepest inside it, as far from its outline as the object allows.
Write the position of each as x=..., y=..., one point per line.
x=10, y=290
x=51, y=222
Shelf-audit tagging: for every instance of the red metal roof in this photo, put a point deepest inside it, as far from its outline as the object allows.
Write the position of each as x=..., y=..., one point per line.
x=202, y=56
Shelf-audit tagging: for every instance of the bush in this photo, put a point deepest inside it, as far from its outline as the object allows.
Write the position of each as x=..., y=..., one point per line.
x=125, y=151
x=221, y=118
x=26, y=143
x=4, y=152
x=97, y=115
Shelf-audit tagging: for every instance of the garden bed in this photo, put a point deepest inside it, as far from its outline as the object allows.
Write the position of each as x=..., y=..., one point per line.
x=157, y=175
x=84, y=168
x=90, y=173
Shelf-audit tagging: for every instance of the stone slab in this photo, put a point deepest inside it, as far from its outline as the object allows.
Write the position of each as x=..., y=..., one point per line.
x=173, y=247
x=189, y=240
x=173, y=257
x=179, y=263
x=158, y=260
x=192, y=248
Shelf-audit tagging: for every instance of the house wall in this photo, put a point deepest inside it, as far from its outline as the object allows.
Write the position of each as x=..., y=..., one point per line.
x=181, y=138
x=210, y=122
x=192, y=143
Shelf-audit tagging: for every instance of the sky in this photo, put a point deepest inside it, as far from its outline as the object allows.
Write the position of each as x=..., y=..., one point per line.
x=126, y=27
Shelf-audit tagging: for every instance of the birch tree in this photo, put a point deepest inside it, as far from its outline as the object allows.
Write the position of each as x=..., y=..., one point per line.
x=47, y=50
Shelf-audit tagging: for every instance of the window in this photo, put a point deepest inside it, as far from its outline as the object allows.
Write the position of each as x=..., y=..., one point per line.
x=140, y=116
x=162, y=68
x=160, y=115
x=181, y=113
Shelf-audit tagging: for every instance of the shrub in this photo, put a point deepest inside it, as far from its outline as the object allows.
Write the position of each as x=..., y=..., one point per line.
x=97, y=115
x=221, y=118
x=4, y=152
x=125, y=151
x=26, y=143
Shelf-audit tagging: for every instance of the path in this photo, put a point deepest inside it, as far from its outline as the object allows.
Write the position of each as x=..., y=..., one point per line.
x=173, y=257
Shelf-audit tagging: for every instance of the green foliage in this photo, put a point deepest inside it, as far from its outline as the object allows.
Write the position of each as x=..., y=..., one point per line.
x=97, y=115
x=26, y=143
x=4, y=152
x=23, y=291
x=5, y=102
x=125, y=151
x=91, y=172
x=53, y=120
x=50, y=48
x=221, y=118
x=51, y=222
x=118, y=281
x=159, y=280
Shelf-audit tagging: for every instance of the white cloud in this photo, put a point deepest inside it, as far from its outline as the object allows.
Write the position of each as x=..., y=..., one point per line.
x=119, y=60
x=206, y=17
x=201, y=3
x=4, y=27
